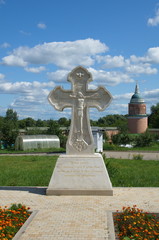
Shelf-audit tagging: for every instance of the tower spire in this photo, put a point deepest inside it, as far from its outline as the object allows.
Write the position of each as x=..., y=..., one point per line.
x=137, y=88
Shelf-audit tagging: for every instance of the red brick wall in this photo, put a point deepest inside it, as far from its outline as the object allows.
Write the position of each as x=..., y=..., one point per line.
x=137, y=109
x=137, y=125
x=110, y=133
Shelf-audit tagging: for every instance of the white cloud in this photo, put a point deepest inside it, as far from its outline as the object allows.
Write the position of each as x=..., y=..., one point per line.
x=41, y=25
x=151, y=98
x=29, y=97
x=14, y=60
x=27, y=101
x=152, y=94
x=125, y=96
x=155, y=20
x=141, y=68
x=5, y=45
x=58, y=76
x=110, y=78
x=153, y=55
x=136, y=59
x=35, y=69
x=62, y=54
x=33, y=103
x=24, y=87
x=133, y=65
x=120, y=106
x=111, y=62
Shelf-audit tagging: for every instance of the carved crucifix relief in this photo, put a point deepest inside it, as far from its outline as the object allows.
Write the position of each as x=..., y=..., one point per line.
x=80, y=99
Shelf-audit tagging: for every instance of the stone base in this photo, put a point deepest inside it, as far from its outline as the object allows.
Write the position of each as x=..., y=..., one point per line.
x=80, y=175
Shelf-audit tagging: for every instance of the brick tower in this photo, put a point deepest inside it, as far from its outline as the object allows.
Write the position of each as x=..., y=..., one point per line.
x=137, y=117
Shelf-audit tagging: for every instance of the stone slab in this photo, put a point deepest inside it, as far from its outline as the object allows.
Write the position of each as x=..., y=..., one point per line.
x=80, y=175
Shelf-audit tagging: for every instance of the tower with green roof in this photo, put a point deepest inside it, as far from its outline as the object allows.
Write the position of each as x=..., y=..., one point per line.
x=137, y=117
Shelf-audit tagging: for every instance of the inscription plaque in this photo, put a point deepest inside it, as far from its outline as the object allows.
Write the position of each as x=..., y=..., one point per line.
x=80, y=176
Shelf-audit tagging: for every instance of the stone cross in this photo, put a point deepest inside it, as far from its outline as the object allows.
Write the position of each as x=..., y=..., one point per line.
x=80, y=99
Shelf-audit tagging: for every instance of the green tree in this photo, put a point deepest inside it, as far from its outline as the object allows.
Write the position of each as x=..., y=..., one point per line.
x=30, y=122
x=1, y=121
x=122, y=125
x=93, y=122
x=54, y=129
x=115, y=120
x=9, y=133
x=9, y=129
x=40, y=123
x=11, y=115
x=26, y=122
x=22, y=123
x=64, y=122
x=154, y=116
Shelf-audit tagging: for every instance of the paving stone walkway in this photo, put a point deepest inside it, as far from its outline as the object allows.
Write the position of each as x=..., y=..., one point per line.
x=75, y=217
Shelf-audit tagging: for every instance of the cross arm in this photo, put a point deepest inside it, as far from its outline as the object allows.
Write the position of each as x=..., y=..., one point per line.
x=60, y=98
x=99, y=98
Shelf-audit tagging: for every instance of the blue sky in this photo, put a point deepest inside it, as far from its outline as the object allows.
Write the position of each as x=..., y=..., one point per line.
x=43, y=40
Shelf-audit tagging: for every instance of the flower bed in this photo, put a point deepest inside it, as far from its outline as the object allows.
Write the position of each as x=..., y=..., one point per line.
x=133, y=223
x=11, y=220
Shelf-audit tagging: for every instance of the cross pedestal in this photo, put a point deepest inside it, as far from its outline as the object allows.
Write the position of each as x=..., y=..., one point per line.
x=80, y=171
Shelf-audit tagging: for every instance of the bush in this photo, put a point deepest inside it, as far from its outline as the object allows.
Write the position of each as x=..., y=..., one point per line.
x=116, y=139
x=108, y=146
x=137, y=157
x=121, y=139
x=143, y=140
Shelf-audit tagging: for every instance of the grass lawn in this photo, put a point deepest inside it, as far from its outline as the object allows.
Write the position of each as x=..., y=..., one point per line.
x=39, y=150
x=26, y=170
x=133, y=173
x=37, y=171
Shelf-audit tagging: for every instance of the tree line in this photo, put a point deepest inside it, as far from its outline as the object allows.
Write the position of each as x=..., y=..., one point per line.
x=10, y=124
